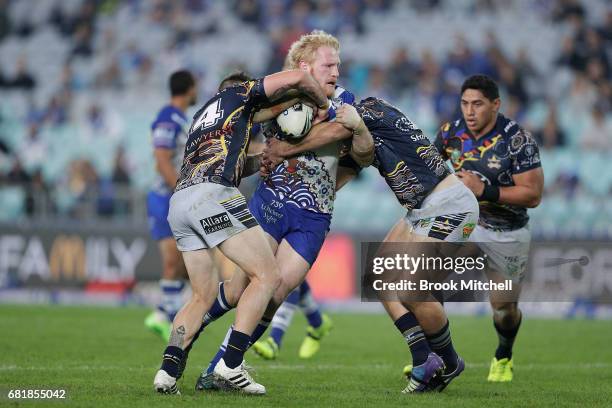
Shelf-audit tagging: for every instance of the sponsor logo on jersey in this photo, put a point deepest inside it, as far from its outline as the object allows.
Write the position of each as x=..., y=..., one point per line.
x=405, y=125
x=215, y=223
x=467, y=229
x=494, y=163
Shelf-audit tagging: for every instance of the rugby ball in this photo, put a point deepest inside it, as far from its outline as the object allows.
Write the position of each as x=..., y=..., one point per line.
x=296, y=121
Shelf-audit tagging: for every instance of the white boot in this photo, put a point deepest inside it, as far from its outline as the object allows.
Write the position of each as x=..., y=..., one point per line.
x=239, y=378
x=164, y=383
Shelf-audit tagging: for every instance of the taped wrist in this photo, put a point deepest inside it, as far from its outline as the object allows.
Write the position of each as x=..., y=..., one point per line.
x=490, y=193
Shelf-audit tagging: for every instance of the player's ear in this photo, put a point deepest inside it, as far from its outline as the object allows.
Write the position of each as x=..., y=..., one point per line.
x=304, y=66
x=496, y=104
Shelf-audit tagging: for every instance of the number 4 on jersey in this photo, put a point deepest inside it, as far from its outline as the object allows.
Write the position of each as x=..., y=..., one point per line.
x=209, y=117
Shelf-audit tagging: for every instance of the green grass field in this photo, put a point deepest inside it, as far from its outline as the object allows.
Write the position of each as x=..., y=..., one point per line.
x=104, y=357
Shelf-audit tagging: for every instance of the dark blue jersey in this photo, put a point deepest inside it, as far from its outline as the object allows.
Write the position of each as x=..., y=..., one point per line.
x=219, y=137
x=495, y=157
x=411, y=166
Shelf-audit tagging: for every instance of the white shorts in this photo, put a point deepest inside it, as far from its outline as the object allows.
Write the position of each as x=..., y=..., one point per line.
x=448, y=215
x=206, y=214
x=508, y=251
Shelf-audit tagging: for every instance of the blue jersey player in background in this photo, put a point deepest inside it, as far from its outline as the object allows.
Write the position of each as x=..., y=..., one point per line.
x=168, y=137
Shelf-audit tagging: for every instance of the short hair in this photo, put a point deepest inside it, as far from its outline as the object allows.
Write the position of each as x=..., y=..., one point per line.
x=305, y=48
x=234, y=78
x=181, y=82
x=482, y=83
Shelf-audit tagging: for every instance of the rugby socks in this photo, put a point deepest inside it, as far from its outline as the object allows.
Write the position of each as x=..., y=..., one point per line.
x=506, y=340
x=309, y=306
x=442, y=344
x=259, y=331
x=218, y=308
x=261, y=328
x=171, y=297
x=237, y=345
x=220, y=352
x=171, y=363
x=283, y=317
x=408, y=325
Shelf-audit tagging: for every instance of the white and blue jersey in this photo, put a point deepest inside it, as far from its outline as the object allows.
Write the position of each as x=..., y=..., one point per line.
x=167, y=132
x=296, y=201
x=308, y=181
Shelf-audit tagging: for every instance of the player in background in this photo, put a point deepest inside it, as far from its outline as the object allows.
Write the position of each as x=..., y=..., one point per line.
x=500, y=163
x=295, y=202
x=319, y=325
x=440, y=208
x=208, y=211
x=169, y=137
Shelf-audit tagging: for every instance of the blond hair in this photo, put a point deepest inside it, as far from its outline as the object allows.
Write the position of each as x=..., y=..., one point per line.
x=304, y=49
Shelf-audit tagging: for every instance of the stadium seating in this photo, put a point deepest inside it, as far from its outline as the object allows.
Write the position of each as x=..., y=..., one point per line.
x=132, y=107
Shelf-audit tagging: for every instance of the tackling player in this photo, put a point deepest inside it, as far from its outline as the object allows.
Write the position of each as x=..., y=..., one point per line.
x=500, y=163
x=440, y=208
x=169, y=137
x=208, y=211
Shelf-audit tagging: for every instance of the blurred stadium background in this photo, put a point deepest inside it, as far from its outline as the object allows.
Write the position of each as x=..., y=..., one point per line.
x=81, y=81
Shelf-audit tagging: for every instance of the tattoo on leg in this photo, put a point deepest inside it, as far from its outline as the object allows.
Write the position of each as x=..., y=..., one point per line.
x=177, y=336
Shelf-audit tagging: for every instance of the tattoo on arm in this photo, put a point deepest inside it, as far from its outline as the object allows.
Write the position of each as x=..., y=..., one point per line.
x=308, y=88
x=282, y=93
x=311, y=89
x=177, y=336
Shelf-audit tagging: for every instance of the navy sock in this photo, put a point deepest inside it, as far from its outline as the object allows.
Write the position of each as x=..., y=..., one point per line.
x=236, y=347
x=283, y=317
x=218, y=308
x=277, y=335
x=172, y=360
x=506, y=340
x=304, y=289
x=442, y=344
x=260, y=330
x=309, y=306
x=315, y=319
x=294, y=297
x=408, y=325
